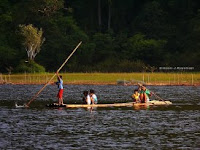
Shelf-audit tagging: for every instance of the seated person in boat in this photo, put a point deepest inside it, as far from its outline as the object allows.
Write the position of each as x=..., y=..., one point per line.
x=144, y=94
x=136, y=96
x=86, y=98
x=93, y=97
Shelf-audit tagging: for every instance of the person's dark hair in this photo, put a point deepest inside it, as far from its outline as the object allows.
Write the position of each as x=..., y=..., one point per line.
x=92, y=91
x=85, y=92
x=136, y=90
x=61, y=77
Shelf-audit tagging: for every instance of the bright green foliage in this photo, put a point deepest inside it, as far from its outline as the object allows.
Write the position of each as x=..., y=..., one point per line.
x=29, y=67
x=32, y=41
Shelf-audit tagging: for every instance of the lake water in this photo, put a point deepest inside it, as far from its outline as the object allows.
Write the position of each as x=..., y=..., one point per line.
x=38, y=127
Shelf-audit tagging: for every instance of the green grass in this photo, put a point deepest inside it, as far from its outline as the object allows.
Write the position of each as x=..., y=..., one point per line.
x=106, y=78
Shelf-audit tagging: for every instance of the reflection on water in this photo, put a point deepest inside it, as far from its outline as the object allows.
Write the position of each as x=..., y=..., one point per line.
x=171, y=127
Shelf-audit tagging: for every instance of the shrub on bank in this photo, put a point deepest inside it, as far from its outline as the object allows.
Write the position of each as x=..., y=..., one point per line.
x=29, y=67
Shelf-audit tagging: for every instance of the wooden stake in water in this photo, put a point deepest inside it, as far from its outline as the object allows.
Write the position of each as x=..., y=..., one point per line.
x=5, y=79
x=174, y=79
x=25, y=76
x=192, y=79
x=143, y=78
x=33, y=98
x=178, y=79
x=9, y=78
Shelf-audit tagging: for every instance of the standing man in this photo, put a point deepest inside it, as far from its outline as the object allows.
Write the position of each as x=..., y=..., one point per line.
x=60, y=87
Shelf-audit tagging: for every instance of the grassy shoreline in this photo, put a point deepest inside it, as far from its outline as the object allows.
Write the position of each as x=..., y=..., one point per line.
x=106, y=78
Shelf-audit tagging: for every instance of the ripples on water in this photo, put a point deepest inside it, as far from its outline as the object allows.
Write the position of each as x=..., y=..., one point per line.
x=172, y=127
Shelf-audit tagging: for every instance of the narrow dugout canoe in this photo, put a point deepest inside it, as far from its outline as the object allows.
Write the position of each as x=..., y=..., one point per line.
x=99, y=105
x=151, y=103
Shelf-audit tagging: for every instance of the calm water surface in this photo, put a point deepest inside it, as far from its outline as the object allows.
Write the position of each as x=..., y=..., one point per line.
x=172, y=127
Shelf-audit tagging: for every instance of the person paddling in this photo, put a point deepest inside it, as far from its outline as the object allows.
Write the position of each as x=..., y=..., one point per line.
x=60, y=87
x=144, y=94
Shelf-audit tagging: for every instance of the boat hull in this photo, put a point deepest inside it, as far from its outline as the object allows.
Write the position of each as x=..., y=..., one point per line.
x=130, y=104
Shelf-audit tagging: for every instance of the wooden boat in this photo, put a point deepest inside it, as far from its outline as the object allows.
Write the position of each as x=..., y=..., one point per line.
x=129, y=104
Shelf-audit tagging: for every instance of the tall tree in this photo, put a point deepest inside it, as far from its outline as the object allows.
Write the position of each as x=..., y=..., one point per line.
x=109, y=13
x=153, y=21
x=33, y=40
x=99, y=14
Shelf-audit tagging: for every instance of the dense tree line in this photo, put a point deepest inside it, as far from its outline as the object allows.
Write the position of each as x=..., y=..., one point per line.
x=118, y=36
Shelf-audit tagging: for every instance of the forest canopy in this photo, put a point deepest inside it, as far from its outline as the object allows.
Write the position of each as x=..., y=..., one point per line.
x=118, y=36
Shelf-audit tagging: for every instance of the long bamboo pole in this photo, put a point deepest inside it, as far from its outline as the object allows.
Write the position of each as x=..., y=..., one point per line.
x=33, y=98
